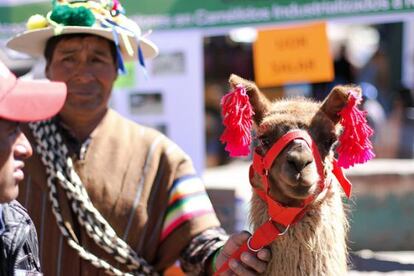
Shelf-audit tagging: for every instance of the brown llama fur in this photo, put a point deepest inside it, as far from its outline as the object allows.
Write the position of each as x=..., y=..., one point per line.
x=316, y=245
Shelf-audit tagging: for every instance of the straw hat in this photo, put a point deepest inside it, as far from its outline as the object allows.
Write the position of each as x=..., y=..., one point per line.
x=103, y=18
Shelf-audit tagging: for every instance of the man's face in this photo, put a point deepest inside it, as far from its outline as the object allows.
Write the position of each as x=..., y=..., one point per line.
x=87, y=67
x=14, y=148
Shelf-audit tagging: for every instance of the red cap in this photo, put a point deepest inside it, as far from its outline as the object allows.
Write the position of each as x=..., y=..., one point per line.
x=29, y=100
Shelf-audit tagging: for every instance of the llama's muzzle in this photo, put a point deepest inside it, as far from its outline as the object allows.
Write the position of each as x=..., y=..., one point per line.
x=299, y=155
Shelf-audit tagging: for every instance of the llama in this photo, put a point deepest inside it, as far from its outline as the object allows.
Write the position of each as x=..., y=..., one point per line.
x=316, y=243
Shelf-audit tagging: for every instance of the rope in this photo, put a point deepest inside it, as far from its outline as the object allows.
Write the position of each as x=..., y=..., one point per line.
x=60, y=171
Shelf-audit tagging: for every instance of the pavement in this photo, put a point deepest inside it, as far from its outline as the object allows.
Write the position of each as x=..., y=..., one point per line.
x=363, y=262
x=367, y=262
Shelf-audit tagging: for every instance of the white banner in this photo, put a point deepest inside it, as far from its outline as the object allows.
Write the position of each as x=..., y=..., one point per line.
x=171, y=98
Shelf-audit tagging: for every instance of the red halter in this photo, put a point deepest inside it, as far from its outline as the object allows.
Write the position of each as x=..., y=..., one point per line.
x=278, y=213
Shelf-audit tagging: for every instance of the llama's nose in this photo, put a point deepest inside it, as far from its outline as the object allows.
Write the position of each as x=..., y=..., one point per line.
x=299, y=156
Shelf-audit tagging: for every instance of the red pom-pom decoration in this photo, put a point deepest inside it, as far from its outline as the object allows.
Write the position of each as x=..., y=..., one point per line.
x=354, y=144
x=237, y=118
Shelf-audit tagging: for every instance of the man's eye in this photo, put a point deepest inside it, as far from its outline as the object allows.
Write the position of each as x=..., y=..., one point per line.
x=97, y=60
x=15, y=129
x=68, y=59
x=100, y=59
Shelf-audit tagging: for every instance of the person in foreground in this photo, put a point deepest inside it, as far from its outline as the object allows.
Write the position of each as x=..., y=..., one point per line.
x=107, y=194
x=20, y=101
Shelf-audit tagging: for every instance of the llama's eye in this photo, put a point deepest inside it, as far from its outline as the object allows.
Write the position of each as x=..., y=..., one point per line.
x=264, y=141
x=330, y=143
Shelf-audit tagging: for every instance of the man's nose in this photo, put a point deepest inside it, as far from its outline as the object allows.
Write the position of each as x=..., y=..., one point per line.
x=84, y=71
x=22, y=148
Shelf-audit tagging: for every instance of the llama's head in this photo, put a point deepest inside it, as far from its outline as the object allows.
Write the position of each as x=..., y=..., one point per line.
x=293, y=175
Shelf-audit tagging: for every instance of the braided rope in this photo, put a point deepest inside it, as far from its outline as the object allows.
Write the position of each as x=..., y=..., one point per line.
x=60, y=171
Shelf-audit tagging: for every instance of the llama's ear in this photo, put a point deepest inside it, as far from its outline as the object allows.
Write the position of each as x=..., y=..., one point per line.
x=341, y=106
x=337, y=100
x=259, y=102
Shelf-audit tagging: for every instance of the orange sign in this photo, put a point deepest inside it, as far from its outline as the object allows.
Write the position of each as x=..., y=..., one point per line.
x=292, y=55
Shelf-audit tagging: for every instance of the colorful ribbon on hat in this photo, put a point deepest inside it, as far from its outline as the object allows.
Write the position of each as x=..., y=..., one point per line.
x=121, y=65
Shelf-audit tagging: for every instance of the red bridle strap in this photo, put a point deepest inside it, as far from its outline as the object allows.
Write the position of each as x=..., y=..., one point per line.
x=261, y=165
x=261, y=237
x=340, y=176
x=278, y=213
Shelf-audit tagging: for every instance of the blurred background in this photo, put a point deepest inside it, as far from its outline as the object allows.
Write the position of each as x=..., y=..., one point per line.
x=370, y=43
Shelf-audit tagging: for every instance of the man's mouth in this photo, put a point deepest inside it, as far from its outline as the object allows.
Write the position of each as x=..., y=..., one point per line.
x=18, y=174
x=81, y=92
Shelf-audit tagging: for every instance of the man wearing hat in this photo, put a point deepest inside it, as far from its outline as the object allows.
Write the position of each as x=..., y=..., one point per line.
x=107, y=194
x=20, y=101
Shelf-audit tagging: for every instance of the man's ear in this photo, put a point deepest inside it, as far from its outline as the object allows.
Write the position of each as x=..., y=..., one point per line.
x=47, y=70
x=116, y=73
x=259, y=102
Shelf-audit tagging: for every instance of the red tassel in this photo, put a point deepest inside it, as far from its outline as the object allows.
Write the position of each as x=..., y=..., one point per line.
x=116, y=5
x=354, y=144
x=237, y=118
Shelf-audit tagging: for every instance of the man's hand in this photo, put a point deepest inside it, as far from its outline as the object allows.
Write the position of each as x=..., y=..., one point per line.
x=251, y=263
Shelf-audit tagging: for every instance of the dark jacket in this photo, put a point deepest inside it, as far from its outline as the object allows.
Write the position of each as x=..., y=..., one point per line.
x=18, y=240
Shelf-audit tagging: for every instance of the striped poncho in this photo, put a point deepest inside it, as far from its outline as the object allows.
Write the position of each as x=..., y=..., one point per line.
x=143, y=184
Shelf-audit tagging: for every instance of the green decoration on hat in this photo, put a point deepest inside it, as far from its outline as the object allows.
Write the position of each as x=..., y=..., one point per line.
x=72, y=16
